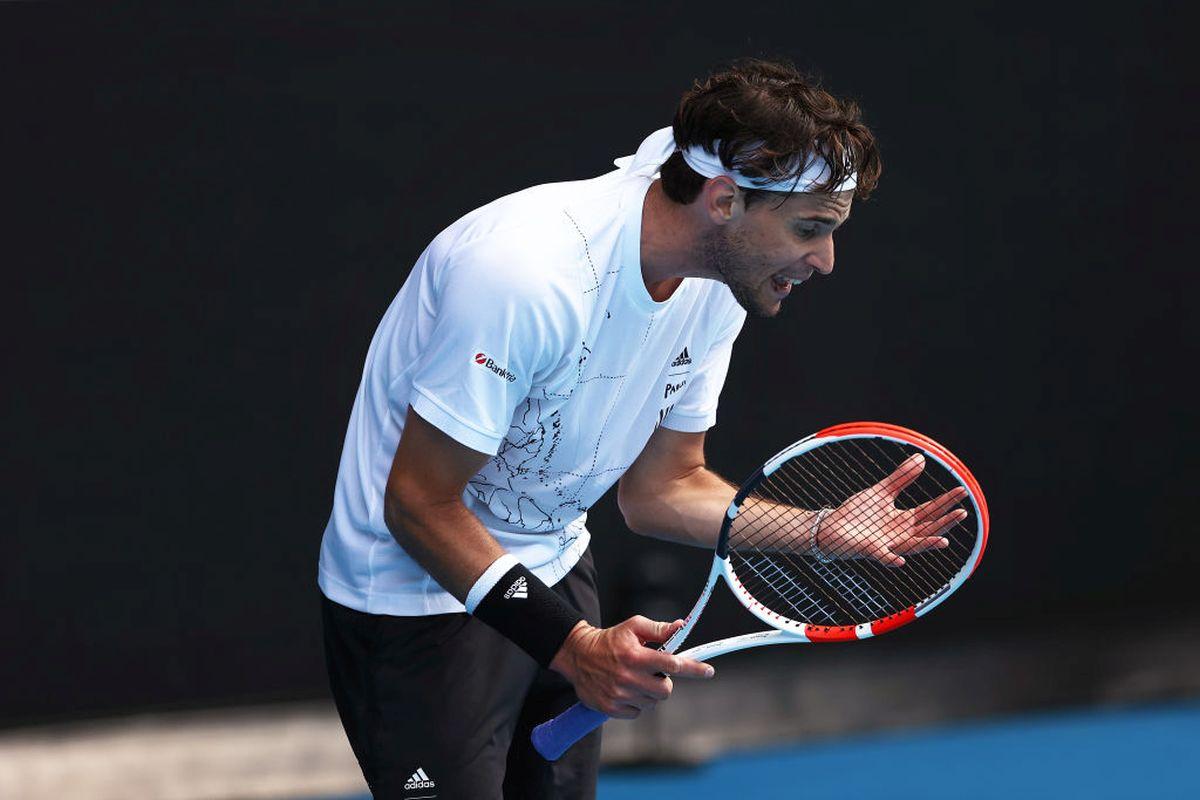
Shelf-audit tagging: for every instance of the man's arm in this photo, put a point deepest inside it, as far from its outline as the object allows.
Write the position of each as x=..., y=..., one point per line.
x=669, y=493
x=610, y=668
x=423, y=507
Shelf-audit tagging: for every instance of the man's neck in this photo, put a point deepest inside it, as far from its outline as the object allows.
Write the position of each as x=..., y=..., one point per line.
x=668, y=243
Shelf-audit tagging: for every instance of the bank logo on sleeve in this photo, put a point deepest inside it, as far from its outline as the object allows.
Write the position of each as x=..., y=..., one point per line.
x=487, y=362
x=682, y=360
x=519, y=590
x=419, y=780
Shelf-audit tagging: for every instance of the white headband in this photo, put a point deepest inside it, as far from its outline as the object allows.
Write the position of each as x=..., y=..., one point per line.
x=658, y=147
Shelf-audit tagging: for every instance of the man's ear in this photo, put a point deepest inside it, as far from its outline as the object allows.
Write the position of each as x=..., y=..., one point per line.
x=723, y=199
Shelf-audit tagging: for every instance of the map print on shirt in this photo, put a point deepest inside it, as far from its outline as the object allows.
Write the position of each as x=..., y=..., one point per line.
x=513, y=486
x=524, y=330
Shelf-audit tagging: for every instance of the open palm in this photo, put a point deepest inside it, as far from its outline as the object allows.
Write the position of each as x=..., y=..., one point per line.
x=868, y=524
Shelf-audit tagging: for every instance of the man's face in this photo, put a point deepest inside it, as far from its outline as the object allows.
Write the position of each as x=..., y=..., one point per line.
x=761, y=251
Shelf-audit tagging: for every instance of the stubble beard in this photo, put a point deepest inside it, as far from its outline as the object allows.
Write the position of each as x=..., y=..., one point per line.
x=729, y=257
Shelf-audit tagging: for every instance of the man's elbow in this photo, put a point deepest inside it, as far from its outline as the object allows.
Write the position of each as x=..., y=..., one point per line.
x=632, y=509
x=402, y=503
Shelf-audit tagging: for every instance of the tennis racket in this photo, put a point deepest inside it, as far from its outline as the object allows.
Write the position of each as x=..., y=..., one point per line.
x=846, y=534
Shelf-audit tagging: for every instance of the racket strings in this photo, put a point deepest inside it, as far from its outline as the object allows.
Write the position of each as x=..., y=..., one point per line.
x=850, y=477
x=771, y=537
x=939, y=565
x=805, y=603
x=858, y=594
x=773, y=577
x=919, y=566
x=851, y=597
x=955, y=553
x=834, y=576
x=858, y=470
x=918, y=569
x=841, y=583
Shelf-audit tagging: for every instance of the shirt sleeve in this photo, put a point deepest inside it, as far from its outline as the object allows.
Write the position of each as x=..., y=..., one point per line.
x=696, y=411
x=493, y=335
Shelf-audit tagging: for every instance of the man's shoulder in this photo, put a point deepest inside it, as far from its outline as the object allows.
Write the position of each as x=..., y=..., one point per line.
x=543, y=222
x=537, y=242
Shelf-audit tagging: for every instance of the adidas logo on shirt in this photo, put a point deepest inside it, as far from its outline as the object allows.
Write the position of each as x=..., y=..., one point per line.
x=682, y=360
x=420, y=780
x=518, y=590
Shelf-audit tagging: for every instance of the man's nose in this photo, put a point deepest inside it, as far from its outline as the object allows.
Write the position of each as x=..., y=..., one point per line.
x=822, y=258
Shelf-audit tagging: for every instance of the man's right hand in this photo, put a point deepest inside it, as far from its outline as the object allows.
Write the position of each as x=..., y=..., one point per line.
x=614, y=672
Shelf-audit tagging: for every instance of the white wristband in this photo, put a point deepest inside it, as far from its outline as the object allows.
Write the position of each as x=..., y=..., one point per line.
x=488, y=579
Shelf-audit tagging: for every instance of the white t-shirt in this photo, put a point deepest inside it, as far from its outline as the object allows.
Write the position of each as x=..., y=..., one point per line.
x=524, y=331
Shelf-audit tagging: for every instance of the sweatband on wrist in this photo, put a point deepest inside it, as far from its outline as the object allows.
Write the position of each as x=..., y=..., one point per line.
x=490, y=577
x=515, y=602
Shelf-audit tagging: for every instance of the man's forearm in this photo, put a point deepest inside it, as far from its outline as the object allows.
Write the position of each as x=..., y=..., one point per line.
x=424, y=511
x=446, y=539
x=686, y=510
x=691, y=509
x=458, y=551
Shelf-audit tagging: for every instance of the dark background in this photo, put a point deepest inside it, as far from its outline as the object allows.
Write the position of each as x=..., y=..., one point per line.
x=209, y=212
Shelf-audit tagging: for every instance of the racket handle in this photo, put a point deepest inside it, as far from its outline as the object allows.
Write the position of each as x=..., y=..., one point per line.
x=555, y=737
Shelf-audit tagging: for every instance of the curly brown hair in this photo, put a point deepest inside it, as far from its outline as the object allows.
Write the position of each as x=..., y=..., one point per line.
x=769, y=119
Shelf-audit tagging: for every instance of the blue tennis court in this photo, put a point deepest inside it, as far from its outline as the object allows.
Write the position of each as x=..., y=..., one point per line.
x=1094, y=755
x=1147, y=753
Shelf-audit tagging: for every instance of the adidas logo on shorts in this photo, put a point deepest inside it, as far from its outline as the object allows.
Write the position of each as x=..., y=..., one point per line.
x=518, y=590
x=420, y=780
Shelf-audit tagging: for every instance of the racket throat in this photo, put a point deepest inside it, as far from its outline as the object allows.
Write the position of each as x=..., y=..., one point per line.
x=709, y=650
x=672, y=644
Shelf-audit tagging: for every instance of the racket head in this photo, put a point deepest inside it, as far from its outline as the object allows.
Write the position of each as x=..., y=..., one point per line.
x=847, y=598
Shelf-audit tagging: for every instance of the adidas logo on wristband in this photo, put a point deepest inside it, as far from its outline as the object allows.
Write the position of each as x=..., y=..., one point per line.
x=519, y=590
x=538, y=624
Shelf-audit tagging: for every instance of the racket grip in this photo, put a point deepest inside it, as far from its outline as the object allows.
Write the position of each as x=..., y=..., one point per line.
x=555, y=737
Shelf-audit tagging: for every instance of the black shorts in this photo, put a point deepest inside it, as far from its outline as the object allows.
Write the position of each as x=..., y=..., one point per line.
x=442, y=706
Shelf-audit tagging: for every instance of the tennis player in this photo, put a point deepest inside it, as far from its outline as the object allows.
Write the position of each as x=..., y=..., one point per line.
x=543, y=347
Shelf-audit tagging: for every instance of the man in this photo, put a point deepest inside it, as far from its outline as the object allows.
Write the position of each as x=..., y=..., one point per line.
x=543, y=347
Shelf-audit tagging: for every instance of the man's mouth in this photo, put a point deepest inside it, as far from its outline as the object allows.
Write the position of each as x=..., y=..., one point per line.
x=783, y=283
